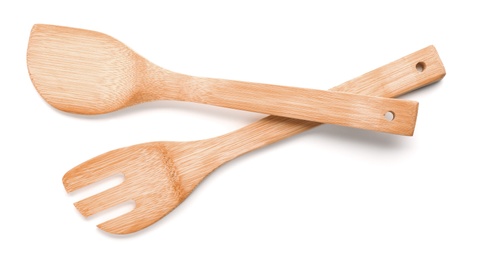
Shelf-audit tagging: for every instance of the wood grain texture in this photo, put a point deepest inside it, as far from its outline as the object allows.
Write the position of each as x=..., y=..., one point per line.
x=88, y=72
x=160, y=175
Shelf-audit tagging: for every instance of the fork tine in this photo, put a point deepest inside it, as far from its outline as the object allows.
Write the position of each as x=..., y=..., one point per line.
x=102, y=200
x=125, y=224
x=147, y=211
x=137, y=219
x=94, y=170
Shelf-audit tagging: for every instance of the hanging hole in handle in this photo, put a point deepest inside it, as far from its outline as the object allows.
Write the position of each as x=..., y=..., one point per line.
x=420, y=66
x=389, y=116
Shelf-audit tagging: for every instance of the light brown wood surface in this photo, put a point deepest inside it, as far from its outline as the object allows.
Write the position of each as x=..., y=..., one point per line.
x=87, y=72
x=160, y=175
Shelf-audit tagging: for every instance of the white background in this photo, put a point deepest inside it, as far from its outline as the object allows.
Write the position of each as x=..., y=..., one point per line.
x=329, y=193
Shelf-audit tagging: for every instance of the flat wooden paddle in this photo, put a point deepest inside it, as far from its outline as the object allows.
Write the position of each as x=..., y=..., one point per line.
x=160, y=175
x=87, y=72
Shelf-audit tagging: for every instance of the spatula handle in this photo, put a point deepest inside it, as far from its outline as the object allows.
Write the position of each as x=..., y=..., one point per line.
x=321, y=106
x=394, y=79
x=360, y=111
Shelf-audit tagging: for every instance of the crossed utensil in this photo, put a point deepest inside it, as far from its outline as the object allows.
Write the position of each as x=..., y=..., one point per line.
x=87, y=72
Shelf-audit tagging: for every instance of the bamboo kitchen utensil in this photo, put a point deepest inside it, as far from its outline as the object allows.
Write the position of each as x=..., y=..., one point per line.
x=160, y=175
x=88, y=72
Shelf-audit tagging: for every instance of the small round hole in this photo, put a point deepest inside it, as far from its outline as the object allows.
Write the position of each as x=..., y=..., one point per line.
x=420, y=66
x=389, y=116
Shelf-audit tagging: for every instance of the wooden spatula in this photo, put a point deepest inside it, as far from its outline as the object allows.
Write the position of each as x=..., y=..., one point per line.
x=160, y=175
x=88, y=72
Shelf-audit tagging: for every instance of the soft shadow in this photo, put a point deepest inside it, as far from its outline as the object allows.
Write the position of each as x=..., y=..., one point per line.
x=424, y=91
x=358, y=136
x=372, y=138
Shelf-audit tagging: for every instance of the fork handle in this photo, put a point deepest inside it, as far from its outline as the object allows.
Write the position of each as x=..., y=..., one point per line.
x=391, y=80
